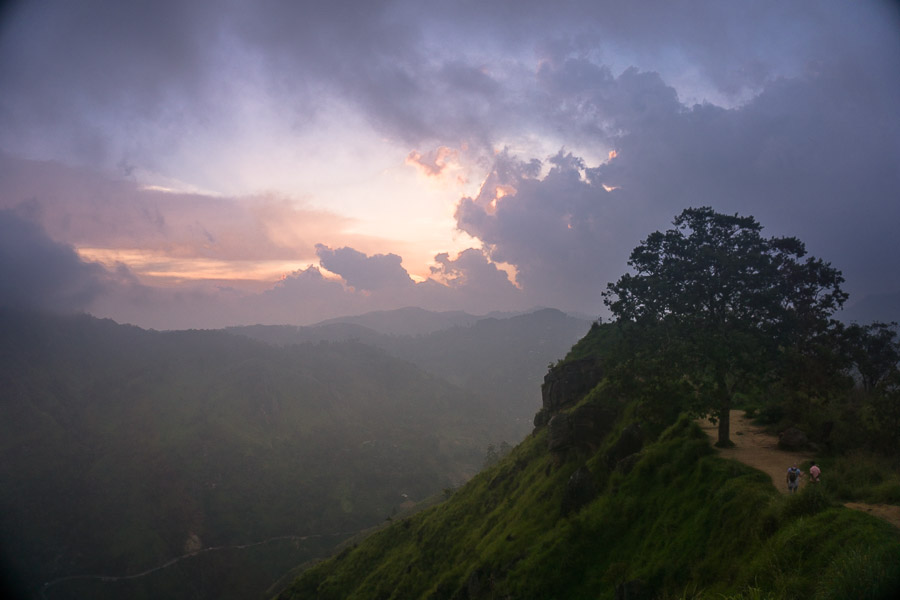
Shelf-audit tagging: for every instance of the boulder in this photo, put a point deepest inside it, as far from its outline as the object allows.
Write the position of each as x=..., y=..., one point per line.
x=542, y=417
x=792, y=439
x=559, y=432
x=630, y=441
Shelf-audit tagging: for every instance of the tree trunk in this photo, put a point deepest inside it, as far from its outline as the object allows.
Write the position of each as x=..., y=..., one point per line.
x=724, y=440
x=724, y=397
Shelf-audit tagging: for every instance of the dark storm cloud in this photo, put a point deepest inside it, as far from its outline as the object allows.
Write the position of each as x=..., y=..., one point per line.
x=813, y=157
x=98, y=73
x=562, y=233
x=38, y=273
x=96, y=70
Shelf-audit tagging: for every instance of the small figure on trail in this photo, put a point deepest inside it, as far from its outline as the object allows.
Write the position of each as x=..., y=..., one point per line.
x=793, y=478
x=814, y=472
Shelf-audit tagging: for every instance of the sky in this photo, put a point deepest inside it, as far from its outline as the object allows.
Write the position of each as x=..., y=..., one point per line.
x=201, y=164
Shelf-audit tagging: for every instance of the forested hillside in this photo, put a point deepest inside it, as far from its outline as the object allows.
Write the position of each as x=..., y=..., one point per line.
x=123, y=449
x=501, y=360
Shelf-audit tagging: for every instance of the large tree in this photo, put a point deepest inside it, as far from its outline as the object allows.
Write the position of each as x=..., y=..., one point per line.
x=723, y=301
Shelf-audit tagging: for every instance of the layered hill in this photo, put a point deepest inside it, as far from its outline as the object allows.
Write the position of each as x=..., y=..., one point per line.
x=123, y=449
x=499, y=359
x=605, y=502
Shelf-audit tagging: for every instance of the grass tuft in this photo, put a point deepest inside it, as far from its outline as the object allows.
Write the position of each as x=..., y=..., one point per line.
x=861, y=574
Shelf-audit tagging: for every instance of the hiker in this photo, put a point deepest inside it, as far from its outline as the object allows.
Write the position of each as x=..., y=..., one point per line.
x=793, y=478
x=814, y=472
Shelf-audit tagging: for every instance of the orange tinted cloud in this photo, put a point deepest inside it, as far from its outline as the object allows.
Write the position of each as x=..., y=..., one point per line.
x=168, y=234
x=435, y=162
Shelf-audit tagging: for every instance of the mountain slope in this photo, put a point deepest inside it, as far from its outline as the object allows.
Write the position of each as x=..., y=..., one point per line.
x=122, y=449
x=601, y=504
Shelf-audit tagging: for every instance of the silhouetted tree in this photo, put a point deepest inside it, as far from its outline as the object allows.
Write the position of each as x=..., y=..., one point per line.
x=721, y=300
x=874, y=350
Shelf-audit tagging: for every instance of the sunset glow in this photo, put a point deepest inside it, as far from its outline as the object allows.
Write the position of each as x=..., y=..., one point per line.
x=334, y=159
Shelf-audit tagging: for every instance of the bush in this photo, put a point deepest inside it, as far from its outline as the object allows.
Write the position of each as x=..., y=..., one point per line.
x=860, y=574
x=809, y=501
x=863, y=476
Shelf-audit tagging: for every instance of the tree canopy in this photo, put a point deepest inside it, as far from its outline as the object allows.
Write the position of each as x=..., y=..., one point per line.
x=723, y=300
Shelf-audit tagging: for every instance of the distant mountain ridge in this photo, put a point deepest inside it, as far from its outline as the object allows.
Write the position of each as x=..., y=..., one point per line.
x=410, y=320
x=501, y=358
x=121, y=448
x=405, y=321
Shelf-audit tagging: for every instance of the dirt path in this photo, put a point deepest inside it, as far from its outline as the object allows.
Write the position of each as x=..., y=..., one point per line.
x=755, y=447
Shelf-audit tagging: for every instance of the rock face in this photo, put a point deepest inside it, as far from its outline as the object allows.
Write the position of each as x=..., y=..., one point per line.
x=580, y=489
x=792, y=439
x=564, y=386
x=630, y=441
x=586, y=426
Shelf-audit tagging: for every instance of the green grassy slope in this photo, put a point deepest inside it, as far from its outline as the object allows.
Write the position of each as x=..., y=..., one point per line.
x=670, y=521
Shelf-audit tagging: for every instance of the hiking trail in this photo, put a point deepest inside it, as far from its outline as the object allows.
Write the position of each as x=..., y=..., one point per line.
x=757, y=448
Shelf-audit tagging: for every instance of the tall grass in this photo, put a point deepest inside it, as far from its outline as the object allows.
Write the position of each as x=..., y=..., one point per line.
x=863, y=476
x=862, y=574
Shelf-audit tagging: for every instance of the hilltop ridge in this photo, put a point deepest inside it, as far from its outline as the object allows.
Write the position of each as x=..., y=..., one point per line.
x=604, y=502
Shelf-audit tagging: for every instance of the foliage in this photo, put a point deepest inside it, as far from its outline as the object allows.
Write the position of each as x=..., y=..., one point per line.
x=719, y=300
x=859, y=572
x=875, y=352
x=681, y=519
x=862, y=476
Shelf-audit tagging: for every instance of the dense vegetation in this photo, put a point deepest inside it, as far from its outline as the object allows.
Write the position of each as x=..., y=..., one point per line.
x=123, y=449
x=618, y=494
x=500, y=360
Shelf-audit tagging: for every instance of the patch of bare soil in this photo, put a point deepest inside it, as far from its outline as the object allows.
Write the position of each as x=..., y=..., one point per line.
x=888, y=512
x=755, y=447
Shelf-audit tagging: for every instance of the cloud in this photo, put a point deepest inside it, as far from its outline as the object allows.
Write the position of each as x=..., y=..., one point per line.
x=379, y=272
x=99, y=82
x=435, y=162
x=477, y=284
x=468, y=283
x=88, y=210
x=38, y=273
x=787, y=112
x=562, y=233
x=813, y=157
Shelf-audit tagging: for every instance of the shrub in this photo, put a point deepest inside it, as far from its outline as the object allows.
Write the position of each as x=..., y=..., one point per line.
x=860, y=574
x=863, y=476
x=810, y=500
